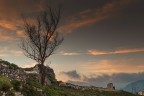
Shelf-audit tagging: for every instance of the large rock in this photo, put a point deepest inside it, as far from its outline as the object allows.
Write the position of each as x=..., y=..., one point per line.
x=49, y=72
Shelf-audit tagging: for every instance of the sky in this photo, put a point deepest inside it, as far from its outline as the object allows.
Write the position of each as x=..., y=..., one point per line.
x=103, y=39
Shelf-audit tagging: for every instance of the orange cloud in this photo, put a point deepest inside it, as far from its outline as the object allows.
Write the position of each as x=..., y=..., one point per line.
x=113, y=66
x=95, y=52
x=20, y=33
x=10, y=17
x=6, y=36
x=3, y=55
x=68, y=53
x=7, y=25
x=10, y=31
x=128, y=51
x=124, y=51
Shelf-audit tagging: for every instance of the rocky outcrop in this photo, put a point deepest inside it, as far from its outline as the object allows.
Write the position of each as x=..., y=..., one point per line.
x=12, y=71
x=49, y=73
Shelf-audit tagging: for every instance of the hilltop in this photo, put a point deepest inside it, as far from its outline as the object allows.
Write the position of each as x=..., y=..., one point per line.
x=16, y=81
x=13, y=72
x=134, y=87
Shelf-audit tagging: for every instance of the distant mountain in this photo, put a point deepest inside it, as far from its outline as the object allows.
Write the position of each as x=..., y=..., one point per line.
x=134, y=86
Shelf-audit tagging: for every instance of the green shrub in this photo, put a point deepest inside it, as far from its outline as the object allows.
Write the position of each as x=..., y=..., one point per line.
x=28, y=90
x=16, y=84
x=33, y=81
x=5, y=84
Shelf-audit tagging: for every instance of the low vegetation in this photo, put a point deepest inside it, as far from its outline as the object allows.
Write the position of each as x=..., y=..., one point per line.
x=34, y=88
x=63, y=91
x=5, y=84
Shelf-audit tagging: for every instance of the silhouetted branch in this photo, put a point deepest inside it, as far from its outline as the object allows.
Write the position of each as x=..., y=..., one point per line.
x=42, y=39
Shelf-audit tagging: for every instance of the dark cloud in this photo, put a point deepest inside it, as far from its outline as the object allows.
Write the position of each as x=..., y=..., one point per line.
x=91, y=15
x=72, y=74
x=12, y=9
x=11, y=22
x=120, y=80
x=10, y=17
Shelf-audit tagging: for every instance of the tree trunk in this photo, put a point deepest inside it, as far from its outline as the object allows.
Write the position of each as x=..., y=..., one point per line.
x=42, y=74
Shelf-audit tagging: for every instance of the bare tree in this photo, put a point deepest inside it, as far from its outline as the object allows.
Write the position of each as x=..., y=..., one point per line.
x=42, y=39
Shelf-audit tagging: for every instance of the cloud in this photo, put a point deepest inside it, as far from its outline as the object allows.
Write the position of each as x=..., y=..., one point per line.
x=123, y=51
x=119, y=80
x=7, y=25
x=3, y=55
x=110, y=66
x=16, y=52
x=10, y=19
x=99, y=73
x=6, y=38
x=92, y=16
x=15, y=8
x=28, y=65
x=5, y=35
x=20, y=33
x=71, y=74
x=97, y=52
x=84, y=18
x=68, y=53
x=6, y=51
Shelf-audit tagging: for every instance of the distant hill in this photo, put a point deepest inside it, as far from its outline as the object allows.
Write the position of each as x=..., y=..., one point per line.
x=134, y=86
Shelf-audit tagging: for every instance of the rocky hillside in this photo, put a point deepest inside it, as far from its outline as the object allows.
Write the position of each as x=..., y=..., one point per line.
x=13, y=72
